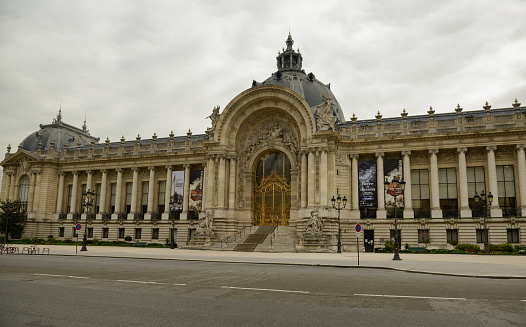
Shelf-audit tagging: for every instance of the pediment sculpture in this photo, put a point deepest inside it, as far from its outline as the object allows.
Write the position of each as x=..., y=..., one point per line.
x=325, y=118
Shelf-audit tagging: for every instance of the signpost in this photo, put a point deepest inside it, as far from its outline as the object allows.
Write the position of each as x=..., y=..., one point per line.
x=77, y=228
x=358, y=229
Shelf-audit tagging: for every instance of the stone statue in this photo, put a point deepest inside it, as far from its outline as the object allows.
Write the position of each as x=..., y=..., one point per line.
x=214, y=117
x=325, y=118
x=205, y=225
x=315, y=224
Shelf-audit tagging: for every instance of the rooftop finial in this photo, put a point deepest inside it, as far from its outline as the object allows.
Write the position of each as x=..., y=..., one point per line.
x=59, y=115
x=289, y=42
x=85, y=125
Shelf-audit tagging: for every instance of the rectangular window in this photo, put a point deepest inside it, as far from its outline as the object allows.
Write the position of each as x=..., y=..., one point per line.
x=113, y=196
x=105, y=232
x=144, y=198
x=420, y=193
x=61, y=232
x=481, y=235
x=392, y=235
x=138, y=232
x=121, y=232
x=452, y=235
x=191, y=233
x=506, y=187
x=98, y=187
x=129, y=188
x=70, y=191
x=423, y=236
x=447, y=184
x=90, y=232
x=162, y=194
x=513, y=235
x=476, y=184
x=155, y=233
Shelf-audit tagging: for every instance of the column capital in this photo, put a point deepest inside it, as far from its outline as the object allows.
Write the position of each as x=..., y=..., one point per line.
x=75, y=172
x=135, y=169
x=521, y=146
x=152, y=167
x=36, y=171
x=379, y=154
x=104, y=171
x=406, y=153
x=186, y=165
x=119, y=170
x=354, y=155
x=491, y=148
x=462, y=149
x=169, y=167
x=433, y=150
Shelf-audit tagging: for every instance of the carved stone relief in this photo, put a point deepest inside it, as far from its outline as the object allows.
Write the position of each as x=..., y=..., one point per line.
x=447, y=156
x=505, y=153
x=474, y=154
x=420, y=157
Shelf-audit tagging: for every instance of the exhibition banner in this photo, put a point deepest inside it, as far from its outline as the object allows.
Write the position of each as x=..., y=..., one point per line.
x=177, y=190
x=393, y=169
x=196, y=190
x=367, y=183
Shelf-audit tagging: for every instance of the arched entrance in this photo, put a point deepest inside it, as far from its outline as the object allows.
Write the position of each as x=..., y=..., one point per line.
x=272, y=189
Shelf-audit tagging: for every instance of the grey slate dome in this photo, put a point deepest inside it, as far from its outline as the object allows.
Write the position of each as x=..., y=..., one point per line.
x=60, y=134
x=291, y=75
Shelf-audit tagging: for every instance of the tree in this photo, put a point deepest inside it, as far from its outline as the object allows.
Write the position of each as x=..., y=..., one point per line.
x=12, y=219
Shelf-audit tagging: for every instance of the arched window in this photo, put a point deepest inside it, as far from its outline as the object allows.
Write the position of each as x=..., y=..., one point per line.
x=23, y=195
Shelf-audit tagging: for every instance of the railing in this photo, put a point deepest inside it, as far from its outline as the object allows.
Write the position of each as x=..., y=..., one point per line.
x=419, y=213
x=76, y=216
x=237, y=235
x=156, y=216
x=106, y=216
x=368, y=213
x=511, y=212
x=450, y=213
x=192, y=215
x=392, y=126
x=122, y=216
x=446, y=122
x=399, y=212
x=138, y=216
x=91, y=216
x=174, y=215
x=62, y=216
x=418, y=124
x=504, y=118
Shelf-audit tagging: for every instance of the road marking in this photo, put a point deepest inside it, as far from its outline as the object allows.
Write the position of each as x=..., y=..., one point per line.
x=51, y=275
x=412, y=297
x=179, y=284
x=138, y=281
x=264, y=289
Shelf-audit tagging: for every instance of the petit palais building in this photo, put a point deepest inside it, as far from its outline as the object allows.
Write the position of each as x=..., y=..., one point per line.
x=263, y=175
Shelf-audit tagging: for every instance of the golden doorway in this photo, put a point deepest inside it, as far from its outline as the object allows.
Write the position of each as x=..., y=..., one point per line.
x=272, y=190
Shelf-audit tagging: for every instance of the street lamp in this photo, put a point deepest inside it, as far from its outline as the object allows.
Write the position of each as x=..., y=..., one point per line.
x=486, y=202
x=87, y=204
x=172, y=218
x=401, y=186
x=337, y=204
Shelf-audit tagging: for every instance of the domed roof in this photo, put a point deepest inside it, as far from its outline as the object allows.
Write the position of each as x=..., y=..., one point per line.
x=60, y=134
x=291, y=75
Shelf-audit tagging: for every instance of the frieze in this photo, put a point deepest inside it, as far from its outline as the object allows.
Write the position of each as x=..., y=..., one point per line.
x=447, y=156
x=420, y=157
x=474, y=154
x=505, y=153
x=341, y=160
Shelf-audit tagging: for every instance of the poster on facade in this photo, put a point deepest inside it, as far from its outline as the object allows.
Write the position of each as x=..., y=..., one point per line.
x=196, y=190
x=367, y=183
x=177, y=191
x=393, y=169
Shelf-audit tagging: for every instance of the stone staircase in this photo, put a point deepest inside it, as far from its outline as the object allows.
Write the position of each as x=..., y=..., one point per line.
x=253, y=240
x=284, y=239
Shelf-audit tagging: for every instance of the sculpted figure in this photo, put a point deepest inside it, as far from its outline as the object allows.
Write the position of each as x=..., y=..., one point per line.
x=325, y=118
x=205, y=225
x=315, y=224
x=214, y=117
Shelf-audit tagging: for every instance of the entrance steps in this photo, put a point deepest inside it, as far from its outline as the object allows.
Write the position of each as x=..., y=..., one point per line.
x=284, y=239
x=253, y=240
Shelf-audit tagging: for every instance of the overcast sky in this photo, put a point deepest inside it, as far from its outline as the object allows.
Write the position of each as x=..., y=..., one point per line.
x=139, y=67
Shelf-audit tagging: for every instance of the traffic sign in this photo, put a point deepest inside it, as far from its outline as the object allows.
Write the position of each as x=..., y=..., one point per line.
x=358, y=234
x=78, y=226
x=358, y=228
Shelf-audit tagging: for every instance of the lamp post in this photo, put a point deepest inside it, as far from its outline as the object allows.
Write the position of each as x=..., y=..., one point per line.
x=337, y=204
x=486, y=202
x=401, y=186
x=172, y=210
x=87, y=204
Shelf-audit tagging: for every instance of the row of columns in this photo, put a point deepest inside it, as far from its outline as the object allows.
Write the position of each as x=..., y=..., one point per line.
x=436, y=212
x=224, y=179
x=313, y=194
x=12, y=187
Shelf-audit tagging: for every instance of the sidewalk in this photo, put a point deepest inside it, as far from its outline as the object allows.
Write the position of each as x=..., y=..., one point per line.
x=491, y=266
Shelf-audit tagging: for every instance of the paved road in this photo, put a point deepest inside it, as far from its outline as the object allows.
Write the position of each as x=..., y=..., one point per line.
x=104, y=291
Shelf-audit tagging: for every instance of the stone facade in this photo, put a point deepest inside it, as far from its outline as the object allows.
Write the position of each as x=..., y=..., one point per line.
x=444, y=159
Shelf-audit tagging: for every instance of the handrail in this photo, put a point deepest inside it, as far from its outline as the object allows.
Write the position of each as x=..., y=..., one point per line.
x=240, y=232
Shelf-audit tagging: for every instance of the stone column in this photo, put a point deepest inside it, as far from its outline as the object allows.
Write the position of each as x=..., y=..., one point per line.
x=210, y=183
x=521, y=166
x=168, y=189
x=135, y=186
x=312, y=178
x=118, y=192
x=232, y=184
x=380, y=212
x=304, y=179
x=31, y=196
x=60, y=196
x=221, y=183
x=89, y=181
x=408, y=195
x=493, y=185
x=186, y=194
x=355, y=194
x=465, y=211
x=323, y=178
x=103, y=190
x=12, y=187
x=436, y=212
x=74, y=188
x=38, y=188
x=7, y=178
x=151, y=189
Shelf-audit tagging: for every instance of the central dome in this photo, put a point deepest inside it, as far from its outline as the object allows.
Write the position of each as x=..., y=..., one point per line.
x=291, y=75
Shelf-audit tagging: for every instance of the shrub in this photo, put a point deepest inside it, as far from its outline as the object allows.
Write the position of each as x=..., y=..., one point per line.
x=505, y=247
x=468, y=248
x=389, y=247
x=406, y=246
x=454, y=242
x=128, y=238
